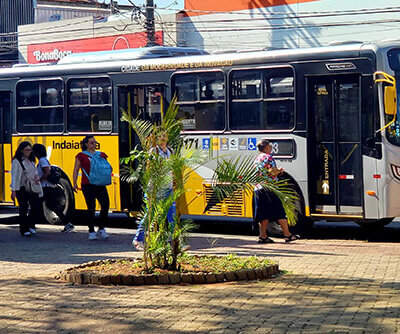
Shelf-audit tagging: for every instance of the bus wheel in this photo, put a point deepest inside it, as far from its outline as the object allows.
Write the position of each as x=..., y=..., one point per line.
x=304, y=224
x=65, y=202
x=375, y=223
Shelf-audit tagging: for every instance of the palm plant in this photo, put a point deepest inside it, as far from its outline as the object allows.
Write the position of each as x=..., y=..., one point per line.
x=163, y=241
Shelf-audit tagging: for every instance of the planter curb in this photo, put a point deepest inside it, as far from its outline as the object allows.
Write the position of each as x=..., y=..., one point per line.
x=90, y=277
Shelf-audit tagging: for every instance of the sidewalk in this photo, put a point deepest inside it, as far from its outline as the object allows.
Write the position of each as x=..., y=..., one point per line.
x=338, y=286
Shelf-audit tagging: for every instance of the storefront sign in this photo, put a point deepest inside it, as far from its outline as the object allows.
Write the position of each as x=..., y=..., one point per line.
x=54, y=51
x=51, y=56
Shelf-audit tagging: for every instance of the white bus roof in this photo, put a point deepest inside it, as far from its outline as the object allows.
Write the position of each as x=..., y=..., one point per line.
x=130, y=54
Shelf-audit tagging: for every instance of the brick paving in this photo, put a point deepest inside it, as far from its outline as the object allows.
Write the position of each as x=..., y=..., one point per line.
x=331, y=286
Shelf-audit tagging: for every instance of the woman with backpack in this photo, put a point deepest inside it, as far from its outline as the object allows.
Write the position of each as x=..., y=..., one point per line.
x=96, y=175
x=48, y=185
x=26, y=188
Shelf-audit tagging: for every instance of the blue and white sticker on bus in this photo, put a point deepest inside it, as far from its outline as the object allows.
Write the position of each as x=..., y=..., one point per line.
x=251, y=144
x=206, y=144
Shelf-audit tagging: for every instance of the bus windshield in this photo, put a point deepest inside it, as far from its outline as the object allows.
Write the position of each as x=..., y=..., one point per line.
x=393, y=131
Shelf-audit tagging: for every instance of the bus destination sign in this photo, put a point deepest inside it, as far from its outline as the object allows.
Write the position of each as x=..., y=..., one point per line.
x=282, y=148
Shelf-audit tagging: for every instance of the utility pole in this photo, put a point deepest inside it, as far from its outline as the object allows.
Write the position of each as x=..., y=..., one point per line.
x=114, y=6
x=150, y=27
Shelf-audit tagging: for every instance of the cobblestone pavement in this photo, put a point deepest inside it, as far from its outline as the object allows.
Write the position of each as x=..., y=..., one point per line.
x=338, y=286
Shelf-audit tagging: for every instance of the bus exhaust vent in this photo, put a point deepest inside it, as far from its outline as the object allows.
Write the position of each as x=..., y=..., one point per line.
x=231, y=206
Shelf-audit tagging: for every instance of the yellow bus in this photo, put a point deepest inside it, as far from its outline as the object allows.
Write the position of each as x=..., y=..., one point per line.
x=320, y=107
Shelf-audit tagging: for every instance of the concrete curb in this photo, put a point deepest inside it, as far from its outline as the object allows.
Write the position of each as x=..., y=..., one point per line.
x=89, y=277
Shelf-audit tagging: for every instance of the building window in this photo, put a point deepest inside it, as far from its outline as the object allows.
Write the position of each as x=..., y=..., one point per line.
x=89, y=105
x=40, y=106
x=262, y=99
x=201, y=100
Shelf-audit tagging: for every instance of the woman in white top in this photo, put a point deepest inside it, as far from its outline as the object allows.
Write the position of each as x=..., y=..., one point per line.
x=49, y=190
x=165, y=152
x=26, y=188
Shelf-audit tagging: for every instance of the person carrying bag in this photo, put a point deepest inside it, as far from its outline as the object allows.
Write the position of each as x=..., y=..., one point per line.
x=96, y=175
x=267, y=206
x=26, y=188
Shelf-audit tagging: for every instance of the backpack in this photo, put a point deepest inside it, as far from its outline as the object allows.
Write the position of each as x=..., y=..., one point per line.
x=100, y=169
x=55, y=175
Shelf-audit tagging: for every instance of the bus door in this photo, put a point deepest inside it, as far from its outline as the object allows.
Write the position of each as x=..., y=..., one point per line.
x=334, y=145
x=144, y=102
x=5, y=138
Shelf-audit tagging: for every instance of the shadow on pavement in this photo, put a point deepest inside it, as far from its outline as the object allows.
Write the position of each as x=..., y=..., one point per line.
x=352, y=231
x=51, y=246
x=240, y=246
x=292, y=304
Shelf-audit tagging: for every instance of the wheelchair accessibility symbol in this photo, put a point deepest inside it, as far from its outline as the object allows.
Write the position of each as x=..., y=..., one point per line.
x=251, y=144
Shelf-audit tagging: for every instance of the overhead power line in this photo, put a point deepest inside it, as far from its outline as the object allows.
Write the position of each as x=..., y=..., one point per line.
x=230, y=25
x=287, y=15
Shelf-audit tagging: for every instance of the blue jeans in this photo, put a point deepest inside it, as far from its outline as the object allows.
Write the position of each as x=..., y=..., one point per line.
x=139, y=236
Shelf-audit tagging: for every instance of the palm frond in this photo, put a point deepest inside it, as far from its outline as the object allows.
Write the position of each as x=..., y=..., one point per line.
x=171, y=125
x=142, y=128
x=239, y=174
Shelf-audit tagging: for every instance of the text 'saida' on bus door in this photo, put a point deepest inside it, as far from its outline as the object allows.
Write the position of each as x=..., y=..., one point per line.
x=335, y=146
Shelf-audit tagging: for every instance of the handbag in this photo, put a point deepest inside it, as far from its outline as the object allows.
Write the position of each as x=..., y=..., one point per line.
x=30, y=186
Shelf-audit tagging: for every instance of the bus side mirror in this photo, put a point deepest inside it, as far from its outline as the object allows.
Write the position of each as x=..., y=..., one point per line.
x=390, y=100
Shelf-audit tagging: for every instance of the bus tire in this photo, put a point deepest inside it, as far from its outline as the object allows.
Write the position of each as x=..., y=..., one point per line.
x=65, y=200
x=379, y=223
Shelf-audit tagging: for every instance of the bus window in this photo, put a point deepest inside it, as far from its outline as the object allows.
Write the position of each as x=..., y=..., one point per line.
x=262, y=99
x=246, y=85
x=186, y=87
x=89, y=105
x=51, y=93
x=100, y=91
x=40, y=106
x=201, y=100
x=28, y=94
x=280, y=87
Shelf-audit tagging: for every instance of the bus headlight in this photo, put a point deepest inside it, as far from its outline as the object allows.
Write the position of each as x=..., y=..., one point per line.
x=395, y=171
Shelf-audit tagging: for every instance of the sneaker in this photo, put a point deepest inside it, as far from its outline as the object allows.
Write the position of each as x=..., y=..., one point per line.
x=32, y=230
x=102, y=234
x=92, y=236
x=68, y=228
x=186, y=248
x=138, y=245
x=27, y=234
